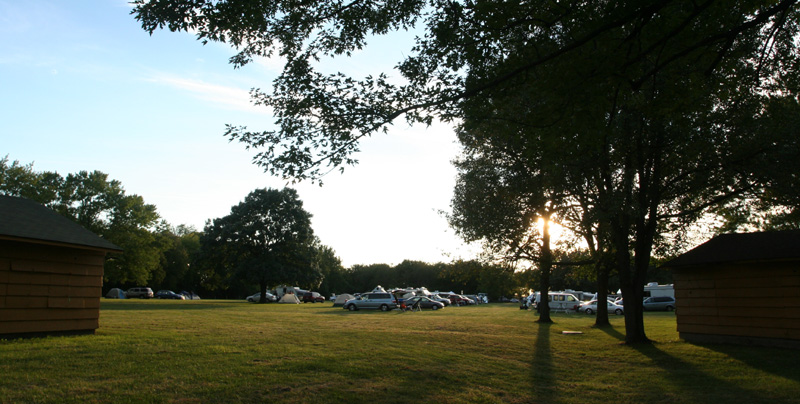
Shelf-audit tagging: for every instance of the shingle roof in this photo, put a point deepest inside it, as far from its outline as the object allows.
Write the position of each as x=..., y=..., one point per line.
x=26, y=220
x=739, y=247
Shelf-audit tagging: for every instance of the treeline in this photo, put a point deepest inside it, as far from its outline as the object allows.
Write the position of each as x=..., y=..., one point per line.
x=155, y=252
x=163, y=256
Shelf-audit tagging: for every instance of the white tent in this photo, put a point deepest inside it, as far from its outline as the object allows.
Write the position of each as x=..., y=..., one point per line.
x=289, y=298
x=116, y=293
x=339, y=302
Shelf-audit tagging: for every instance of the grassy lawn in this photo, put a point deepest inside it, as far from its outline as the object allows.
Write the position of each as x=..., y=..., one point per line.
x=228, y=351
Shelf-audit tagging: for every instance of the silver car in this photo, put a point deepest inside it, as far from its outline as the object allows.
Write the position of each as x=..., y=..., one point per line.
x=591, y=307
x=659, y=303
x=257, y=297
x=375, y=301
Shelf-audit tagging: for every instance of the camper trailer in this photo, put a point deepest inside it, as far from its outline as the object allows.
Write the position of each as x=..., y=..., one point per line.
x=653, y=289
x=560, y=301
x=283, y=290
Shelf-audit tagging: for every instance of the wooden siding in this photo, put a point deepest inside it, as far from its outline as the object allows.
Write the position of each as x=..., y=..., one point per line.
x=47, y=289
x=739, y=300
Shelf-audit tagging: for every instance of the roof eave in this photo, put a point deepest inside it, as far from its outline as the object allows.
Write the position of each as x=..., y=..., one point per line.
x=113, y=249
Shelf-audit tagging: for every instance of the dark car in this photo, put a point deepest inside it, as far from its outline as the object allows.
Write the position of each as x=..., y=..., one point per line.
x=168, y=294
x=313, y=297
x=659, y=303
x=424, y=302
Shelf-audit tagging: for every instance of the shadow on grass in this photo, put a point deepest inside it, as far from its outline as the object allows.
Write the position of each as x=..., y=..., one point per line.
x=612, y=332
x=543, y=371
x=777, y=361
x=694, y=384
x=167, y=305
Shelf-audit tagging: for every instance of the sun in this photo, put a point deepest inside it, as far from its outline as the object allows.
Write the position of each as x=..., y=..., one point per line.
x=556, y=230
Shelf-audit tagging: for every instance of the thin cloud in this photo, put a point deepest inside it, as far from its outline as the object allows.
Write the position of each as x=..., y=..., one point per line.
x=229, y=97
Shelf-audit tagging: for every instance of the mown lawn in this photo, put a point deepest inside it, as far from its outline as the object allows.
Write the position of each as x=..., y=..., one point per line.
x=228, y=351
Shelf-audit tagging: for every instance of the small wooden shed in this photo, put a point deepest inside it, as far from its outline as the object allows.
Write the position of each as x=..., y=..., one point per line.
x=740, y=288
x=51, y=272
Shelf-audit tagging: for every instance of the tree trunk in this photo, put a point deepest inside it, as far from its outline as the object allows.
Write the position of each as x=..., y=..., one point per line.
x=633, y=293
x=602, y=293
x=632, y=285
x=634, y=318
x=263, y=287
x=545, y=265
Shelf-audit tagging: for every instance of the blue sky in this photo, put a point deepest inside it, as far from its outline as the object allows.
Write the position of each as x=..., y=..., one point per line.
x=83, y=87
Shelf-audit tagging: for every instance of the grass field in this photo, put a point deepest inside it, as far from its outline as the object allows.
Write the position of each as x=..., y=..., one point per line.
x=211, y=351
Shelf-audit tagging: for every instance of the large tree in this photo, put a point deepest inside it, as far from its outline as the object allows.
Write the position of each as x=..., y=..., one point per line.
x=504, y=189
x=642, y=156
x=266, y=239
x=644, y=90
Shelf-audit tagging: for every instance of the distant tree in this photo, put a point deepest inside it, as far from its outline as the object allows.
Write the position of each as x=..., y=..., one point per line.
x=266, y=239
x=416, y=274
x=334, y=278
x=366, y=277
x=101, y=205
x=43, y=187
x=478, y=277
x=182, y=243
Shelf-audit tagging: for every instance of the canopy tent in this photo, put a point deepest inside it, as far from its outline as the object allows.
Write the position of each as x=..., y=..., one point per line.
x=339, y=302
x=116, y=293
x=289, y=298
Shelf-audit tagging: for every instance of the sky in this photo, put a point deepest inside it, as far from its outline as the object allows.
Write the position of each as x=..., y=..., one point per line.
x=83, y=87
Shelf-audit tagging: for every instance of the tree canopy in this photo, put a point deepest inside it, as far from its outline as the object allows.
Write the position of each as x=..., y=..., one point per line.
x=465, y=48
x=266, y=239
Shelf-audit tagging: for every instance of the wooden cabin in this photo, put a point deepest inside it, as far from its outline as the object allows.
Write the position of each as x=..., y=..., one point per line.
x=51, y=272
x=740, y=288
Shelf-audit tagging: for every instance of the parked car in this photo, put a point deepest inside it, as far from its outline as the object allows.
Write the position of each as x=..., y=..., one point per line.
x=458, y=300
x=440, y=299
x=168, y=294
x=659, y=303
x=475, y=299
x=590, y=307
x=257, y=297
x=374, y=300
x=424, y=302
x=141, y=293
x=313, y=297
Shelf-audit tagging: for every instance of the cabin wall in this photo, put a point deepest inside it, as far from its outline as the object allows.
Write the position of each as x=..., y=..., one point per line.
x=49, y=289
x=746, y=301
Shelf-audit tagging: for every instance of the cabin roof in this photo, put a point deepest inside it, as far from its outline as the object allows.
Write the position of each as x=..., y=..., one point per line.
x=25, y=220
x=741, y=247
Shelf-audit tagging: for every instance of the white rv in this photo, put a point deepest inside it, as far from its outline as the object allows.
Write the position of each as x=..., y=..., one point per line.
x=560, y=301
x=653, y=289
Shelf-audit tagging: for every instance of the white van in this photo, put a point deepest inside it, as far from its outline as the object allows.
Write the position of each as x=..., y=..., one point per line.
x=560, y=301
